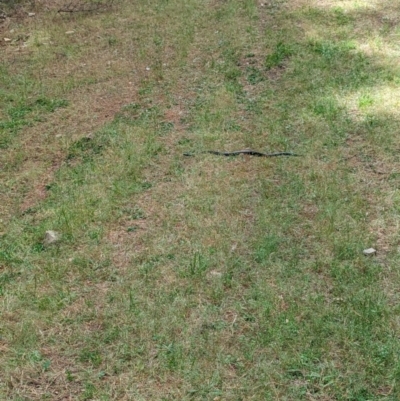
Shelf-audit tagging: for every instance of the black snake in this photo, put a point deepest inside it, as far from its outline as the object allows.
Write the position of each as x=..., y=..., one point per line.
x=244, y=152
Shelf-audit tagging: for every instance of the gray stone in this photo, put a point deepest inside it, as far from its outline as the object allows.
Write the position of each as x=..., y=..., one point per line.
x=51, y=237
x=369, y=251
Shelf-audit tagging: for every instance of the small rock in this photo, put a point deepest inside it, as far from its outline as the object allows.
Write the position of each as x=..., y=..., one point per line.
x=31, y=14
x=7, y=40
x=51, y=237
x=69, y=32
x=369, y=251
x=147, y=68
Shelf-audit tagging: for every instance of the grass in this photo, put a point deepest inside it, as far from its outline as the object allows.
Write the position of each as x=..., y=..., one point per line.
x=201, y=278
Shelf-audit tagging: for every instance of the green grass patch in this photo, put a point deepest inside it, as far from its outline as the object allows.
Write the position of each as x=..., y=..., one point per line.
x=277, y=57
x=22, y=114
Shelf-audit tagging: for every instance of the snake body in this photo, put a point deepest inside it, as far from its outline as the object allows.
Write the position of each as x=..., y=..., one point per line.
x=244, y=152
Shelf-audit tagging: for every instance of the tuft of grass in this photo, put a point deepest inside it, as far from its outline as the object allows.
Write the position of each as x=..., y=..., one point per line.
x=281, y=52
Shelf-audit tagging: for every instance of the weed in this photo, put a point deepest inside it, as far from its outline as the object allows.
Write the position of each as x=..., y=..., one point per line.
x=197, y=265
x=365, y=101
x=254, y=75
x=276, y=58
x=266, y=249
x=91, y=356
x=89, y=391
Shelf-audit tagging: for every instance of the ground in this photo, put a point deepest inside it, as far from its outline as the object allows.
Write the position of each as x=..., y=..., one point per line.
x=204, y=277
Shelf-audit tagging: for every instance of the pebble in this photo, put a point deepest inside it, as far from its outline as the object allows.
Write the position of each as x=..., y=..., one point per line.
x=51, y=237
x=369, y=251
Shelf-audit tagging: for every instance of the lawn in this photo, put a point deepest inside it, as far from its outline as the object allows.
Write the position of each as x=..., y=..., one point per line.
x=204, y=277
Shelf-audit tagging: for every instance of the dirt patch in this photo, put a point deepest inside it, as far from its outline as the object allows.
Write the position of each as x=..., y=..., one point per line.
x=50, y=377
x=39, y=191
x=175, y=115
